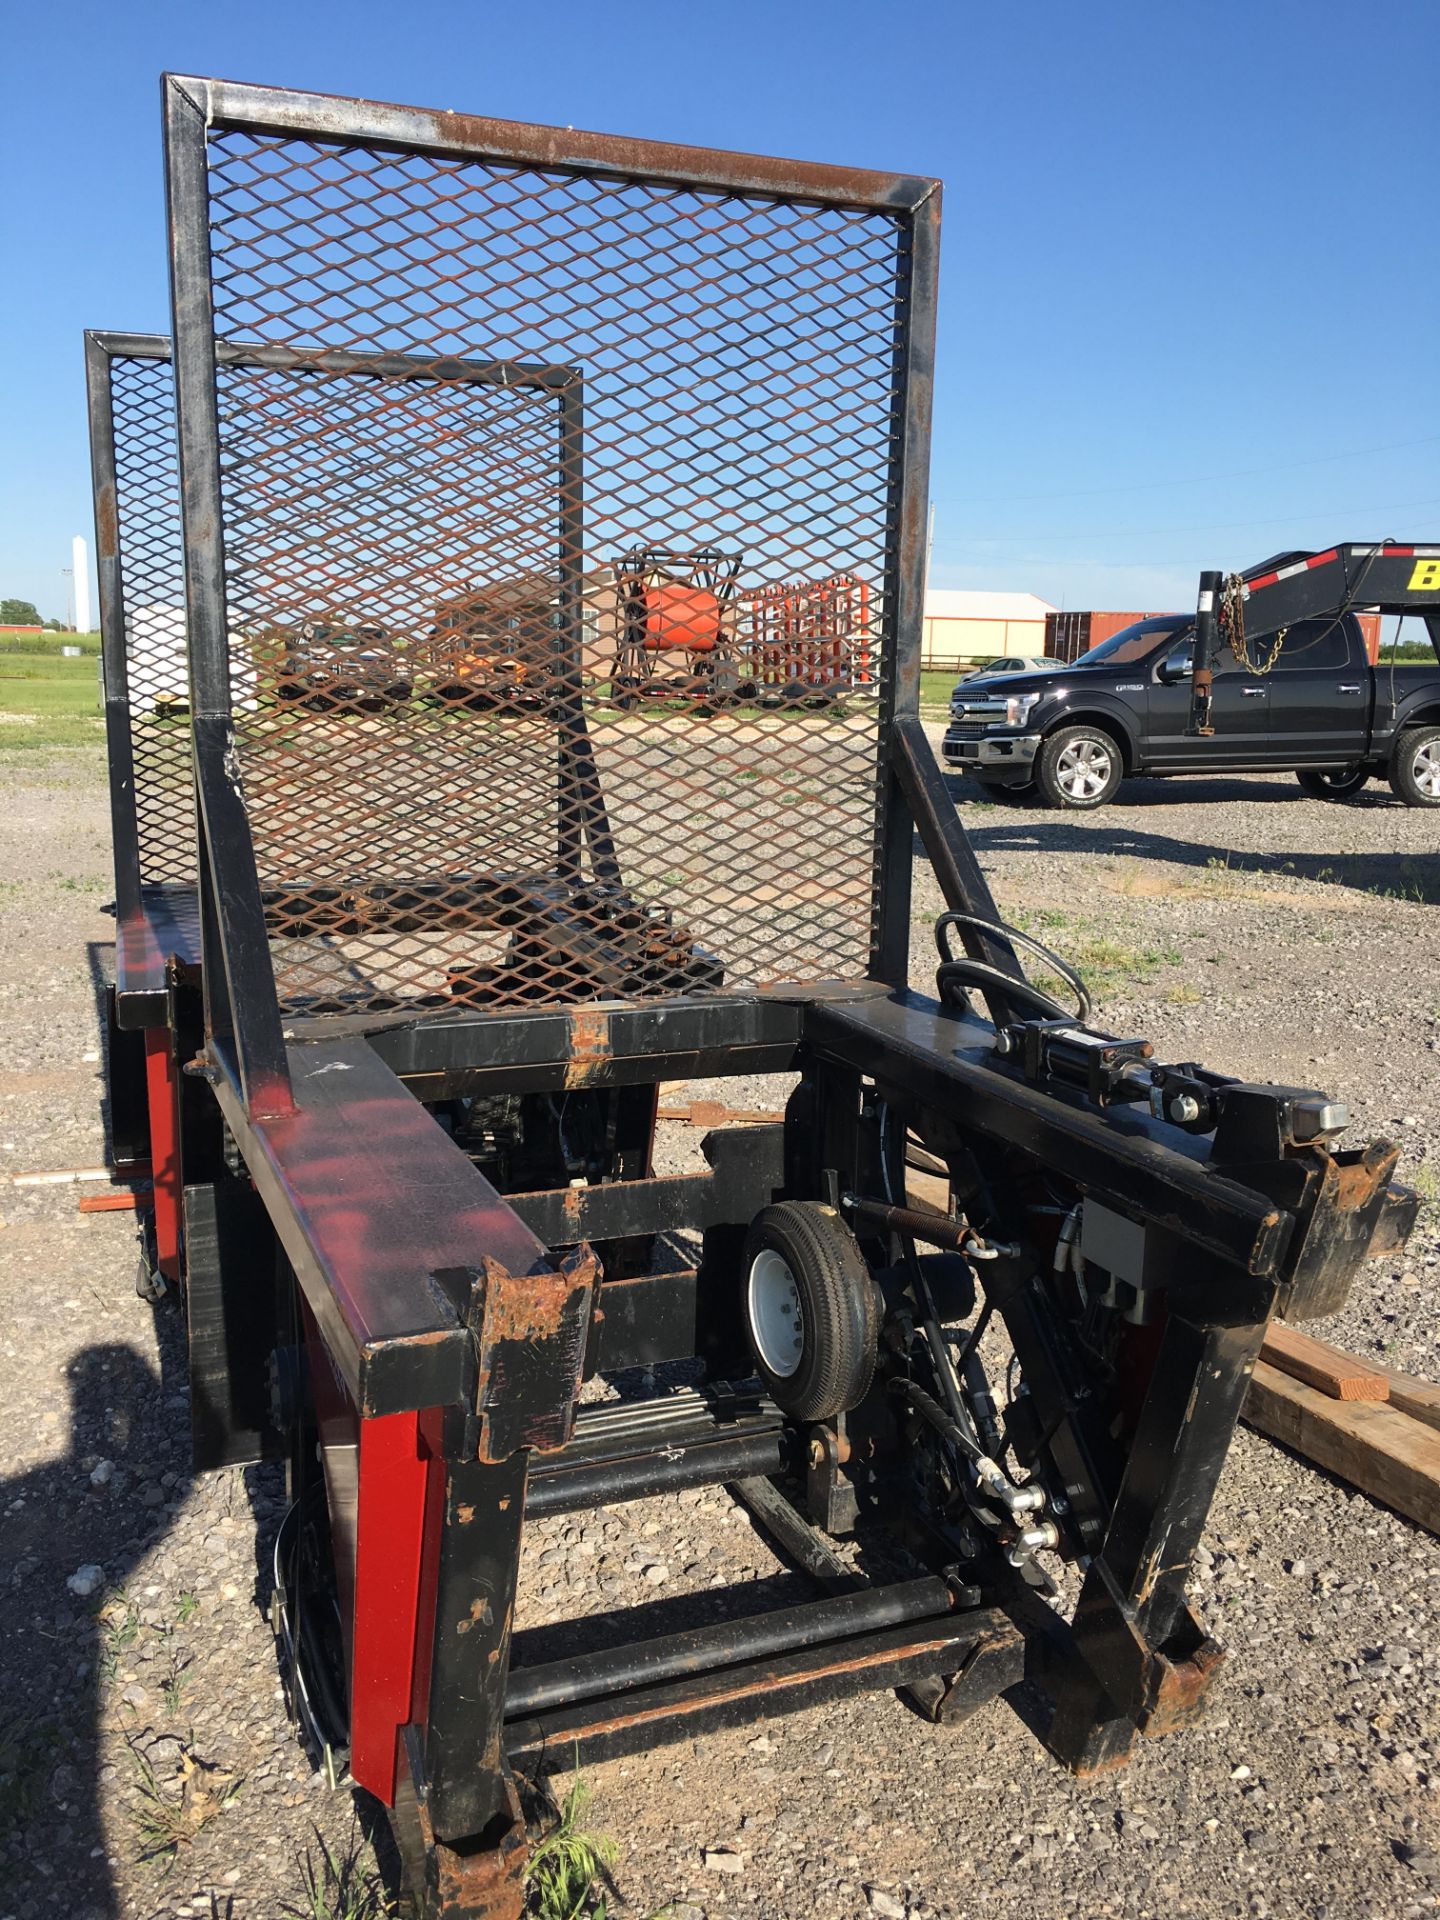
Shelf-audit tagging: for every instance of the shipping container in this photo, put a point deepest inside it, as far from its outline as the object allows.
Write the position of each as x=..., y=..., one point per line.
x=1068, y=635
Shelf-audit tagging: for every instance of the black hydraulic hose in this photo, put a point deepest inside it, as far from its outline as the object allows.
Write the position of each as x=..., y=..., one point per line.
x=977, y=1385
x=931, y=1411
x=935, y=1335
x=956, y=918
x=975, y=973
x=972, y=1339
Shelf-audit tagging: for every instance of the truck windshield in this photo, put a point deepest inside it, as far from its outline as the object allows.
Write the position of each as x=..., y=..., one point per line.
x=1134, y=643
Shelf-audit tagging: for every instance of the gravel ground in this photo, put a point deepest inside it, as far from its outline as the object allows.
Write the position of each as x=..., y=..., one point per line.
x=1231, y=921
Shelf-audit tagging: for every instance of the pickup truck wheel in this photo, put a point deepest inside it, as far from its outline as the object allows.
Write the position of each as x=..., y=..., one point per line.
x=1079, y=766
x=1339, y=785
x=1415, y=768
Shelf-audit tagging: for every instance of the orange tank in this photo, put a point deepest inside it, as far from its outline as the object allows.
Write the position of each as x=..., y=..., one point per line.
x=678, y=616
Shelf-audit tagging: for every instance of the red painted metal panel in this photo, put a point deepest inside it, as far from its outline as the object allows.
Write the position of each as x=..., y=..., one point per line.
x=162, y=1090
x=432, y=1450
x=390, y=1529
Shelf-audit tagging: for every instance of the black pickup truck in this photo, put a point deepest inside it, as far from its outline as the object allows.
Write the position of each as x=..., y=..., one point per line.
x=1320, y=711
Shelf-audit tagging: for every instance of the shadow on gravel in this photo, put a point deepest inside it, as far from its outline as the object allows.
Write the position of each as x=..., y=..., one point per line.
x=54, y=1644
x=1184, y=790
x=1397, y=876
x=1029, y=828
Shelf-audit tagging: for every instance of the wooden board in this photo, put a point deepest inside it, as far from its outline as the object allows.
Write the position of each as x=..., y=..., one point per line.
x=927, y=1191
x=1419, y=1398
x=1371, y=1444
x=1339, y=1374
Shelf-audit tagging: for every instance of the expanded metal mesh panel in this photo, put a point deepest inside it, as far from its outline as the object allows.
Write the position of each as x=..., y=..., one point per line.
x=147, y=493
x=556, y=639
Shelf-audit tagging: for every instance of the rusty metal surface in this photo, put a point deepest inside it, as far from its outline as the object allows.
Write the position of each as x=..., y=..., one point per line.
x=530, y=1331
x=145, y=528
x=385, y=1221
x=490, y=757
x=1176, y=1690
x=484, y=1883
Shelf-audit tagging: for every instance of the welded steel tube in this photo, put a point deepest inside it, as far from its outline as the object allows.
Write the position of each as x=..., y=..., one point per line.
x=704, y=1463
x=703, y=1649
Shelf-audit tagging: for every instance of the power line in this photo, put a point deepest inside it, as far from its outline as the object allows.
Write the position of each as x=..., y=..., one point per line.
x=1190, y=480
x=1343, y=514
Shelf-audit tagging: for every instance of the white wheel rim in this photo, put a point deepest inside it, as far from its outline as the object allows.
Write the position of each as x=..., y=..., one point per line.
x=776, y=1323
x=1083, y=769
x=1425, y=770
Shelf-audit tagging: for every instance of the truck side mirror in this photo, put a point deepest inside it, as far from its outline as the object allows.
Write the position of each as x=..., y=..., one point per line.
x=1176, y=666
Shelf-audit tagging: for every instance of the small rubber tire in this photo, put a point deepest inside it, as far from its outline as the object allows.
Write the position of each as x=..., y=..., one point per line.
x=1343, y=784
x=1415, y=767
x=838, y=1303
x=1079, y=768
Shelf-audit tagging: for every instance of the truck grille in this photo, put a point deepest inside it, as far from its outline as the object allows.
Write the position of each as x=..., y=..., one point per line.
x=976, y=715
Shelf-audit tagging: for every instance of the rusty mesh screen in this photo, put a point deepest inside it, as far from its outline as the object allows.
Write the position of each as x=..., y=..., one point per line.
x=555, y=638
x=147, y=491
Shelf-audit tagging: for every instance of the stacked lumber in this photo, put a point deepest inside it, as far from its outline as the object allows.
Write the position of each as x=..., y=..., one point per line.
x=714, y=1113
x=1367, y=1424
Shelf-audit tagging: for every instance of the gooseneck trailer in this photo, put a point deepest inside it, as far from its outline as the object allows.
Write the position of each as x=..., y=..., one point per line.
x=399, y=977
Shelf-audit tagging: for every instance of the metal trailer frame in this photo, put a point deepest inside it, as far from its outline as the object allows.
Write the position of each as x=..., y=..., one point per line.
x=156, y=925
x=451, y=1325
x=1384, y=576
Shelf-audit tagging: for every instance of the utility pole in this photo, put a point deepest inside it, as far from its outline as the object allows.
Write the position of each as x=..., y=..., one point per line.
x=80, y=570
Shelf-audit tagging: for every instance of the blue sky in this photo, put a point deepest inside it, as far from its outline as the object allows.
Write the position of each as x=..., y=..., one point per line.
x=1190, y=275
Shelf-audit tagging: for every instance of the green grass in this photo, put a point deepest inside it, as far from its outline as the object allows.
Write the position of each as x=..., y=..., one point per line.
x=1102, y=962
x=48, y=701
x=341, y=1886
x=935, y=692
x=1426, y=1183
x=567, y=1867
x=48, y=643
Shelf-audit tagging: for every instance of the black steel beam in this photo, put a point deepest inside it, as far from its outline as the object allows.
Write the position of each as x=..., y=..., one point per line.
x=917, y=274
x=917, y=1050
x=124, y=829
x=164, y=929
x=468, y=1792
x=706, y=1460
x=615, y=1043
x=756, y=1690
x=644, y=1320
x=749, y=1172
x=232, y=1316
x=386, y=1223
x=729, y=1643
x=961, y=879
